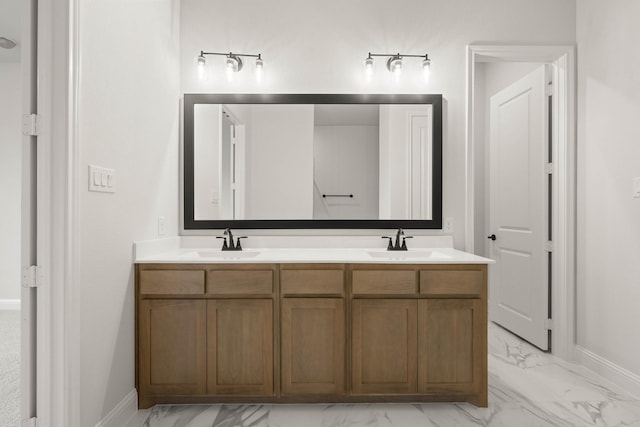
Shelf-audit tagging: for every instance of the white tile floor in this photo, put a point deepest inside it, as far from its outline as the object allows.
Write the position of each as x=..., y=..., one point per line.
x=526, y=388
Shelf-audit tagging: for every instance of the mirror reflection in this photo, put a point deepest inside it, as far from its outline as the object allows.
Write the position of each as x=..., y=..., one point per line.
x=306, y=161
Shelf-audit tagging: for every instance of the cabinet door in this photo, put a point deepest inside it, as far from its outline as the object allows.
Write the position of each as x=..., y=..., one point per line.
x=172, y=346
x=312, y=339
x=384, y=346
x=449, y=333
x=240, y=347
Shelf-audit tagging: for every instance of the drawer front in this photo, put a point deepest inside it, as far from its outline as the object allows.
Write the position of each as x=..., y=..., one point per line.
x=384, y=282
x=452, y=282
x=240, y=282
x=173, y=282
x=305, y=282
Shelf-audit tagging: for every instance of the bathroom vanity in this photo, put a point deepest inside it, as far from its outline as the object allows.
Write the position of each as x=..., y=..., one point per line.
x=297, y=325
x=311, y=325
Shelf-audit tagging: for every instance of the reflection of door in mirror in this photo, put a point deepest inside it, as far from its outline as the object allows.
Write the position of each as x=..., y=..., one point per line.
x=219, y=163
x=406, y=161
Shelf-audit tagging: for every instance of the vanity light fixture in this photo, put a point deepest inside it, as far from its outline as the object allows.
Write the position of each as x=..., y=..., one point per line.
x=233, y=61
x=395, y=62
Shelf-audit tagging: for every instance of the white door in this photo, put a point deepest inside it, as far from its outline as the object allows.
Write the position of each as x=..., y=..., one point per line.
x=519, y=292
x=238, y=178
x=421, y=165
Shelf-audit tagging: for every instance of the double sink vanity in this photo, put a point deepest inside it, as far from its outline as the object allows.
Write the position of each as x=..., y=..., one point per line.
x=317, y=317
x=311, y=325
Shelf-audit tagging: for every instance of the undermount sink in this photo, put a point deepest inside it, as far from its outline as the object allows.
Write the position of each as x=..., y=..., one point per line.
x=409, y=254
x=220, y=254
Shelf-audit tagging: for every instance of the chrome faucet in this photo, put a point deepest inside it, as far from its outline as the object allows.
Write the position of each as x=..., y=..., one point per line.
x=230, y=246
x=398, y=246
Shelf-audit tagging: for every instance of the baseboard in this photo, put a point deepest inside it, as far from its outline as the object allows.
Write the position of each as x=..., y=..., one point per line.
x=620, y=376
x=122, y=413
x=9, y=304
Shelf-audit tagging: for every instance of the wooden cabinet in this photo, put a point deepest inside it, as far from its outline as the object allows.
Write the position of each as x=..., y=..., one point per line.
x=312, y=336
x=312, y=330
x=239, y=333
x=172, y=347
x=204, y=332
x=449, y=330
x=420, y=331
x=384, y=346
x=240, y=347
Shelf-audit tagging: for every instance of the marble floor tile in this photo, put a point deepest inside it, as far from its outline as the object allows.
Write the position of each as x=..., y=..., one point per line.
x=527, y=388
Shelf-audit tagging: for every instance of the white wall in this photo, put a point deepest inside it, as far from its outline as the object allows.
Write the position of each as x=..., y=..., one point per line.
x=279, y=162
x=319, y=47
x=345, y=162
x=207, y=137
x=608, y=158
x=490, y=78
x=10, y=180
x=129, y=121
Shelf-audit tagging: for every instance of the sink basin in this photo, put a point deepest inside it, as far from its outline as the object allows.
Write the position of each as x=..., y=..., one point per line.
x=213, y=254
x=407, y=255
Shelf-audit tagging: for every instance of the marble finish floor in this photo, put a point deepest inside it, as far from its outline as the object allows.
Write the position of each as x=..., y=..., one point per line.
x=526, y=388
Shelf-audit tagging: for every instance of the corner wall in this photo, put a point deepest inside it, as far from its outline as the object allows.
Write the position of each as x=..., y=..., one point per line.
x=129, y=121
x=10, y=182
x=608, y=233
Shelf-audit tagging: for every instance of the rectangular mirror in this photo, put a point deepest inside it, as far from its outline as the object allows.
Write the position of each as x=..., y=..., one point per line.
x=312, y=161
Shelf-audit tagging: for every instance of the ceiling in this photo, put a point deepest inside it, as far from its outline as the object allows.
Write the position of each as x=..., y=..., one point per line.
x=10, y=24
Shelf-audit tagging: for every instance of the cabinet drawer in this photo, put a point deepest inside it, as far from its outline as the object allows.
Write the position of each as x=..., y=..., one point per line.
x=304, y=282
x=451, y=282
x=239, y=282
x=175, y=282
x=384, y=282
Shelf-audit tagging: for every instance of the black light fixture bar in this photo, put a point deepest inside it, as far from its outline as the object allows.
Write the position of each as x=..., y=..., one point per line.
x=230, y=54
x=425, y=56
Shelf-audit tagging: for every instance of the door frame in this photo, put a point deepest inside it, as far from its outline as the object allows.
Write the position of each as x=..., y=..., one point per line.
x=563, y=213
x=57, y=341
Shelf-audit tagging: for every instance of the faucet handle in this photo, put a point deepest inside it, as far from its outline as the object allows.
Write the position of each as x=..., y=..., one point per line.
x=390, y=245
x=224, y=244
x=238, y=247
x=404, y=243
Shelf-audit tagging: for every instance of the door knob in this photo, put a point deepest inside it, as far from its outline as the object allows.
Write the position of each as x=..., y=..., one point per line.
x=492, y=237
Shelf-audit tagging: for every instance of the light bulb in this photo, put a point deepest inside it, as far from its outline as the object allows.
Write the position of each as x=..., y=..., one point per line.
x=426, y=69
x=231, y=64
x=368, y=68
x=259, y=67
x=396, y=67
x=202, y=63
x=368, y=64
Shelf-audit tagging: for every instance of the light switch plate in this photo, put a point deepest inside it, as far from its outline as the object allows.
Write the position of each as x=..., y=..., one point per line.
x=636, y=187
x=102, y=179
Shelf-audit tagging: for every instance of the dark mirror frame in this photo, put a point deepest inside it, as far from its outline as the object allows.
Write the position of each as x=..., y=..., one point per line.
x=190, y=100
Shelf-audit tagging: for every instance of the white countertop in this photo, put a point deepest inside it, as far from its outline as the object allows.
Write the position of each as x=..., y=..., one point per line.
x=313, y=255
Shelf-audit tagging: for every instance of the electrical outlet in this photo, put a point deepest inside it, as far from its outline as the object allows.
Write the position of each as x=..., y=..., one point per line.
x=636, y=187
x=162, y=226
x=447, y=227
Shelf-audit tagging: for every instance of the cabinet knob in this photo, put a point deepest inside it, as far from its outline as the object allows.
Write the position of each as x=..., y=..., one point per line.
x=492, y=237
